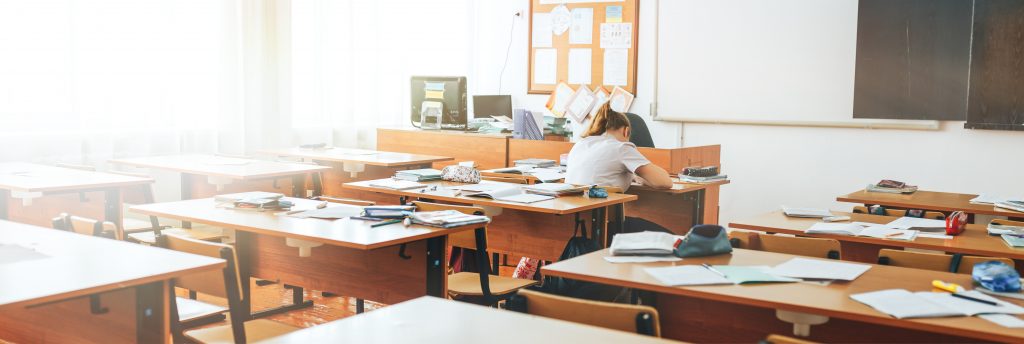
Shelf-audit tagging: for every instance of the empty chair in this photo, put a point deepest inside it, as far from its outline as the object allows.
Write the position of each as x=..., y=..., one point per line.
x=617, y=316
x=801, y=246
x=142, y=231
x=87, y=226
x=860, y=209
x=490, y=288
x=224, y=283
x=934, y=261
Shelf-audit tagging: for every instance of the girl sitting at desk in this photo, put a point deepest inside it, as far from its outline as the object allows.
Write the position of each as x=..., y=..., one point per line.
x=606, y=157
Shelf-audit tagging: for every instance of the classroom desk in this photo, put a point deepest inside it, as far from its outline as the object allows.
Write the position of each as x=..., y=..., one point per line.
x=35, y=194
x=226, y=174
x=746, y=313
x=431, y=320
x=928, y=200
x=486, y=150
x=78, y=288
x=387, y=264
x=537, y=230
x=350, y=164
x=974, y=241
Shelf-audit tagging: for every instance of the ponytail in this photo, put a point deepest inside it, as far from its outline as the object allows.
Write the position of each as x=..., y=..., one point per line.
x=606, y=119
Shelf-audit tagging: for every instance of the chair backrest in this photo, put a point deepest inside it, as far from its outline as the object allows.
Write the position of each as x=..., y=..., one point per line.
x=860, y=209
x=464, y=239
x=745, y=240
x=639, y=134
x=934, y=261
x=512, y=180
x=87, y=226
x=811, y=247
x=348, y=201
x=623, y=317
x=225, y=283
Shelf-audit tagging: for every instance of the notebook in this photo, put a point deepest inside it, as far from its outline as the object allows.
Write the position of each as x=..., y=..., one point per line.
x=1013, y=240
x=857, y=229
x=510, y=194
x=902, y=304
x=917, y=223
x=643, y=243
x=819, y=269
x=396, y=184
x=698, y=275
x=423, y=174
x=446, y=218
x=554, y=189
x=806, y=212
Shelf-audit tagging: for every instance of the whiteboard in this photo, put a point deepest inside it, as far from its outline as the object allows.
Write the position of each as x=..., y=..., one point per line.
x=756, y=60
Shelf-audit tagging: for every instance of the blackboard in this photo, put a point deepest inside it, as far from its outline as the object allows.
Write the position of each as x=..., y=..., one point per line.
x=996, y=98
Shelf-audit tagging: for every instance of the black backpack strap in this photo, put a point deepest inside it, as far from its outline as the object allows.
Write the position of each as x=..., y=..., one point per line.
x=954, y=264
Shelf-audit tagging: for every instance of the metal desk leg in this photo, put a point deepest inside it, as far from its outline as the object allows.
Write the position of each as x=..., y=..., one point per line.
x=598, y=224
x=299, y=186
x=244, y=240
x=436, y=273
x=698, y=207
x=149, y=312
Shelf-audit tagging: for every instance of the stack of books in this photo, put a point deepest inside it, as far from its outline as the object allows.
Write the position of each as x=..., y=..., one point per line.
x=263, y=204
x=891, y=186
x=703, y=180
x=555, y=189
x=1011, y=204
x=420, y=175
x=535, y=163
x=643, y=244
x=388, y=211
x=235, y=197
x=446, y=218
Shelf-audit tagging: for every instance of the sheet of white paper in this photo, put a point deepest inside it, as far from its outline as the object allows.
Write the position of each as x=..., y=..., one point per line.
x=616, y=35
x=819, y=269
x=548, y=177
x=913, y=222
x=971, y=307
x=562, y=95
x=686, y=275
x=834, y=228
x=579, y=66
x=560, y=19
x=541, y=30
x=579, y=108
x=1004, y=320
x=641, y=259
x=582, y=28
x=864, y=224
x=901, y=303
x=545, y=66
x=993, y=199
x=615, y=66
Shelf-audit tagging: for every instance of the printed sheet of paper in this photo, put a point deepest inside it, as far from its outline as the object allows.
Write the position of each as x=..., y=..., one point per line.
x=613, y=14
x=615, y=66
x=560, y=19
x=541, y=30
x=545, y=66
x=617, y=35
x=579, y=66
x=582, y=28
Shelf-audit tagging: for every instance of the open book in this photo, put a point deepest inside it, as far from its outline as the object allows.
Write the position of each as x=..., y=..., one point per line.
x=555, y=189
x=901, y=304
x=853, y=229
x=806, y=212
x=643, y=243
x=235, y=197
x=446, y=218
x=510, y=194
x=928, y=225
x=723, y=274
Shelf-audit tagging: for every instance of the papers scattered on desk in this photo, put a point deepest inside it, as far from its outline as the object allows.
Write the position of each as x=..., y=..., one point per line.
x=699, y=275
x=1013, y=240
x=554, y=189
x=641, y=259
x=548, y=177
x=513, y=170
x=819, y=269
x=510, y=194
x=902, y=304
x=856, y=229
x=396, y=184
x=482, y=187
x=1012, y=295
x=917, y=223
x=11, y=253
x=446, y=218
x=999, y=228
x=806, y=212
x=1011, y=205
x=993, y=199
x=420, y=175
x=643, y=244
x=1004, y=320
x=235, y=197
x=329, y=213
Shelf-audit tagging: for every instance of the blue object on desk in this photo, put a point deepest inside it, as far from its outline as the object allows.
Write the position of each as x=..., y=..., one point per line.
x=596, y=192
x=996, y=276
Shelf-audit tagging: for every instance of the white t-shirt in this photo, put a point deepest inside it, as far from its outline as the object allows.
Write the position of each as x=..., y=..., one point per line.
x=603, y=160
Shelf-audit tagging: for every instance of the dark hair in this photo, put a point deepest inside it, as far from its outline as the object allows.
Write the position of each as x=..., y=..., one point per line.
x=606, y=119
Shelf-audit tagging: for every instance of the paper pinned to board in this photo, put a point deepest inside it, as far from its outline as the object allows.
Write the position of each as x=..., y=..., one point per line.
x=545, y=66
x=541, y=29
x=613, y=14
x=616, y=35
x=559, y=99
x=616, y=62
x=560, y=19
x=580, y=104
x=620, y=100
x=579, y=66
x=600, y=97
x=582, y=28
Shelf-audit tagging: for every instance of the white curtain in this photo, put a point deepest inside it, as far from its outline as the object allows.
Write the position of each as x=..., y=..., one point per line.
x=348, y=62
x=86, y=80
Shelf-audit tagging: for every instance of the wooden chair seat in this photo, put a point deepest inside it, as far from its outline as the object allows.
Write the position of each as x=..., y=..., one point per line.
x=255, y=331
x=150, y=237
x=468, y=283
x=189, y=309
x=132, y=225
x=623, y=317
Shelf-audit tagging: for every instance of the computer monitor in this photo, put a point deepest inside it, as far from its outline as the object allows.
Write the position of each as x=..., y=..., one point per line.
x=444, y=96
x=496, y=105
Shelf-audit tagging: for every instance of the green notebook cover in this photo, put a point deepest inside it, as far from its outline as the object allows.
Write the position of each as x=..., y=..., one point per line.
x=751, y=274
x=1013, y=240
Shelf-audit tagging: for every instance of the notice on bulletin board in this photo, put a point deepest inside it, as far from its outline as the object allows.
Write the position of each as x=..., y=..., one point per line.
x=617, y=35
x=582, y=28
x=541, y=30
x=545, y=66
x=613, y=14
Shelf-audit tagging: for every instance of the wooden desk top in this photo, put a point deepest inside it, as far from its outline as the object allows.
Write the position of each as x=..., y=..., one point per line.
x=362, y=156
x=502, y=136
x=218, y=166
x=77, y=265
x=28, y=177
x=678, y=187
x=342, y=232
x=434, y=320
x=975, y=240
x=559, y=205
x=832, y=300
x=928, y=200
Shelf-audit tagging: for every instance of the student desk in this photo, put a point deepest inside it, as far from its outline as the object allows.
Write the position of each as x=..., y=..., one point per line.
x=66, y=287
x=228, y=175
x=349, y=164
x=537, y=230
x=928, y=200
x=432, y=320
x=387, y=264
x=974, y=241
x=746, y=313
x=486, y=150
x=35, y=194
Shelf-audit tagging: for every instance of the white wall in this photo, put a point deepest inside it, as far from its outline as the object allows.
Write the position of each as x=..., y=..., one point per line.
x=771, y=166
